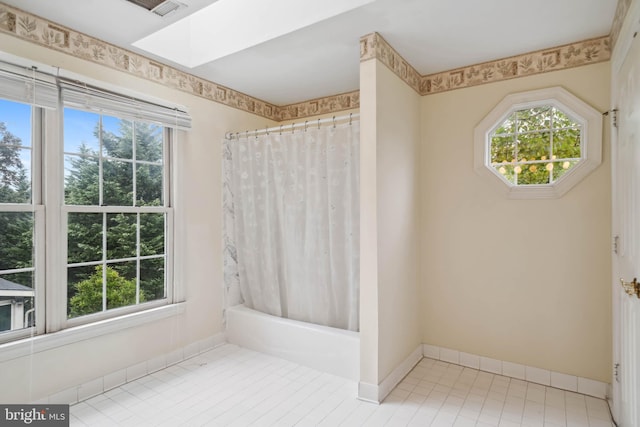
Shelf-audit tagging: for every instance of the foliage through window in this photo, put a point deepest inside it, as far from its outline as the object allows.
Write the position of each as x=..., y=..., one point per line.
x=17, y=217
x=102, y=248
x=114, y=199
x=536, y=145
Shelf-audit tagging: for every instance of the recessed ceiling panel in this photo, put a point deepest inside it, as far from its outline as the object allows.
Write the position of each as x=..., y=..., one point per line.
x=231, y=26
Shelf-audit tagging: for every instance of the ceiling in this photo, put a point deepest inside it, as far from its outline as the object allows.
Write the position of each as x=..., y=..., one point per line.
x=323, y=59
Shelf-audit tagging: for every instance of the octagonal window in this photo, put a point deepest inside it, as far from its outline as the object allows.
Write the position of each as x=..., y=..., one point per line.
x=539, y=143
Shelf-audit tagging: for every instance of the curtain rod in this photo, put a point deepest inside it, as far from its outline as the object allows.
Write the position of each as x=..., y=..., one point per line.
x=291, y=127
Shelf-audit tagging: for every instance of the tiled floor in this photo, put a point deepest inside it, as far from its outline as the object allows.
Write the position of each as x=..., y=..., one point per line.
x=232, y=386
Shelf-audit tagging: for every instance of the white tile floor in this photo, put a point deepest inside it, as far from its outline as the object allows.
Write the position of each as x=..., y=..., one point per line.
x=232, y=386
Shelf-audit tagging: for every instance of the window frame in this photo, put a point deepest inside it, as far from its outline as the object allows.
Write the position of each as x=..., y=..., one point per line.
x=591, y=145
x=36, y=207
x=50, y=238
x=65, y=210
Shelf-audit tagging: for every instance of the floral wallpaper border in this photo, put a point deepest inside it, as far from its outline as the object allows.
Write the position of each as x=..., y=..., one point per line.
x=542, y=61
x=375, y=46
x=618, y=19
x=37, y=30
x=42, y=32
x=329, y=104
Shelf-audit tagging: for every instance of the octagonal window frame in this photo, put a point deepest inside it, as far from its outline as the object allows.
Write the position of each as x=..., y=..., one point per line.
x=579, y=111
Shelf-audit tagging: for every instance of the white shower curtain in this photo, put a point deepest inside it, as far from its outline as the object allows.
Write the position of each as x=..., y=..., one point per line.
x=292, y=223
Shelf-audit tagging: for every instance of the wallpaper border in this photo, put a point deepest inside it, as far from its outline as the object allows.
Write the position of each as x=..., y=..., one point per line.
x=621, y=13
x=40, y=31
x=542, y=61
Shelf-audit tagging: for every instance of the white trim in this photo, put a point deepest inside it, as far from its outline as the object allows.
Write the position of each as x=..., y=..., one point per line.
x=15, y=349
x=625, y=37
x=531, y=374
x=88, y=389
x=377, y=393
x=587, y=116
x=368, y=392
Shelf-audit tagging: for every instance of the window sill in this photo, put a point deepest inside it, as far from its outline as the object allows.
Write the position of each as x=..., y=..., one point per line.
x=40, y=343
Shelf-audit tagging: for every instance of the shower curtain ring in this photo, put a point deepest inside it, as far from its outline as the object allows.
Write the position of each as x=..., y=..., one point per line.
x=292, y=126
x=256, y=132
x=318, y=124
x=246, y=134
x=305, y=125
x=350, y=117
x=266, y=129
x=280, y=129
x=334, y=122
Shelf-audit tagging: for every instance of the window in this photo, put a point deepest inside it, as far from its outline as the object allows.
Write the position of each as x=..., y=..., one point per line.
x=102, y=165
x=116, y=215
x=539, y=144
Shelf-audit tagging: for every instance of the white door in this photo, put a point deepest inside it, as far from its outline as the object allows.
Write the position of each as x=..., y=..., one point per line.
x=626, y=226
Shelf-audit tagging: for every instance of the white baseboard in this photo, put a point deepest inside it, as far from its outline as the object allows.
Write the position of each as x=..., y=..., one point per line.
x=377, y=393
x=522, y=372
x=112, y=380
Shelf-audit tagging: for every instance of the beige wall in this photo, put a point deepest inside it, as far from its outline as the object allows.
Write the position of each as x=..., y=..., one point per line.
x=526, y=281
x=198, y=245
x=390, y=136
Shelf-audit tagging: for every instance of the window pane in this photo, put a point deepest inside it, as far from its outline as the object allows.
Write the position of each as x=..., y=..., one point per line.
x=508, y=126
x=503, y=149
x=118, y=183
x=17, y=309
x=148, y=185
x=81, y=130
x=561, y=120
x=534, y=146
x=81, y=178
x=84, y=237
x=566, y=144
x=507, y=171
x=16, y=240
x=149, y=142
x=121, y=236
x=151, y=234
x=560, y=168
x=530, y=174
x=152, y=279
x=15, y=119
x=15, y=152
x=117, y=137
x=534, y=119
x=121, y=284
x=84, y=290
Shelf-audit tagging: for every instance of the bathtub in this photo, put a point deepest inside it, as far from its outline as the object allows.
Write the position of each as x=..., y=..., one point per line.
x=330, y=350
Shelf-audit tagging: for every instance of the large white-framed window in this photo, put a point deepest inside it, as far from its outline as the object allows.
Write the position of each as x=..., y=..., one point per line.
x=86, y=213
x=25, y=95
x=539, y=144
